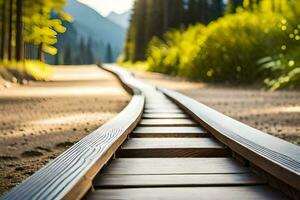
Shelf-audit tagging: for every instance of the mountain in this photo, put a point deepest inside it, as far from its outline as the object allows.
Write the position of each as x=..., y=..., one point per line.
x=89, y=32
x=120, y=19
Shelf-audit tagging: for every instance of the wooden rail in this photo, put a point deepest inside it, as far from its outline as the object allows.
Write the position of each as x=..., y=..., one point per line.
x=164, y=145
x=274, y=155
x=70, y=175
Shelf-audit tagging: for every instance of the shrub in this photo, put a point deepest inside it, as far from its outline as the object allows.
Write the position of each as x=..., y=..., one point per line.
x=29, y=70
x=225, y=50
x=231, y=49
x=284, y=68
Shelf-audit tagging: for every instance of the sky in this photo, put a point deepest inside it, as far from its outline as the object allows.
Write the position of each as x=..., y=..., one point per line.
x=104, y=7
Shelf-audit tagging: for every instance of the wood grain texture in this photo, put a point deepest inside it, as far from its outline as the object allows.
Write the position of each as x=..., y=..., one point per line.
x=165, y=116
x=169, y=105
x=139, y=181
x=169, y=132
x=276, y=156
x=171, y=147
x=70, y=175
x=167, y=122
x=162, y=111
x=173, y=166
x=169, y=143
x=171, y=153
x=203, y=193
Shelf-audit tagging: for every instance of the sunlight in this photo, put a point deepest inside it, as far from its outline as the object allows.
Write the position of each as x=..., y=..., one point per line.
x=104, y=7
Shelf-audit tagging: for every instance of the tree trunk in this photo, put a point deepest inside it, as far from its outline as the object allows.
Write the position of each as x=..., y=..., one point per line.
x=19, y=30
x=29, y=51
x=166, y=14
x=10, y=22
x=40, y=53
x=3, y=32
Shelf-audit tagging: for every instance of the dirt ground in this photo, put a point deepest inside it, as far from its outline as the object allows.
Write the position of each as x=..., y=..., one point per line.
x=40, y=120
x=277, y=113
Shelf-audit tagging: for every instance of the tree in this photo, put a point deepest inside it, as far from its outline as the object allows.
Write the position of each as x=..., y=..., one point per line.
x=3, y=29
x=56, y=59
x=10, y=30
x=89, y=52
x=175, y=14
x=67, y=56
x=19, y=31
x=216, y=9
x=29, y=21
x=39, y=28
x=109, y=56
x=82, y=52
x=152, y=18
x=233, y=5
x=140, y=31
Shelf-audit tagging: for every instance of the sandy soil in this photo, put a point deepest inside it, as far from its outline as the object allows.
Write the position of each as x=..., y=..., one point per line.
x=41, y=120
x=277, y=113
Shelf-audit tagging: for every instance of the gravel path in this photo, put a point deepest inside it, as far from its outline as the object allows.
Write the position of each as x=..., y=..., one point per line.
x=41, y=120
x=277, y=113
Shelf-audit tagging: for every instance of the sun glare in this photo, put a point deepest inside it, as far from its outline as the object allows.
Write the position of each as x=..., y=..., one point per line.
x=105, y=7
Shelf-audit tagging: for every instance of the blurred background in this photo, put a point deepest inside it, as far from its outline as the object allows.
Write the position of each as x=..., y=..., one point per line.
x=232, y=41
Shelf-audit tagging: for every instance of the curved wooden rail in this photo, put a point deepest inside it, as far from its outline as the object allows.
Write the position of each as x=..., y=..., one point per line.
x=155, y=158
x=70, y=175
x=274, y=155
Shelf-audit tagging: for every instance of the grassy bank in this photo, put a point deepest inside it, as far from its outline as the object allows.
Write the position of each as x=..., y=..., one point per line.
x=27, y=70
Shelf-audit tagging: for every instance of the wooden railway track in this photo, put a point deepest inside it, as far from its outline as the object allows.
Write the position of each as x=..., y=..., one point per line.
x=164, y=145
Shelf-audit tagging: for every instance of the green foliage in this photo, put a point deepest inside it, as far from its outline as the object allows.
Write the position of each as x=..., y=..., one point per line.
x=284, y=68
x=228, y=50
x=28, y=22
x=154, y=17
x=40, y=29
x=222, y=51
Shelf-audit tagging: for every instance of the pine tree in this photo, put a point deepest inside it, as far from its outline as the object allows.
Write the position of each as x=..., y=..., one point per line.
x=152, y=18
x=29, y=22
x=139, y=35
x=56, y=59
x=82, y=52
x=233, y=5
x=89, y=51
x=109, y=54
x=216, y=9
x=10, y=29
x=3, y=29
x=175, y=13
x=67, y=55
x=19, y=31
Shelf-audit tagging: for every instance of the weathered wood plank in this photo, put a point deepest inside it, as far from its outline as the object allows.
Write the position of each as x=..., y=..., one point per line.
x=169, y=132
x=165, y=116
x=161, y=106
x=174, y=166
x=163, y=111
x=69, y=175
x=171, y=147
x=123, y=181
x=167, y=143
x=276, y=156
x=203, y=193
x=167, y=122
